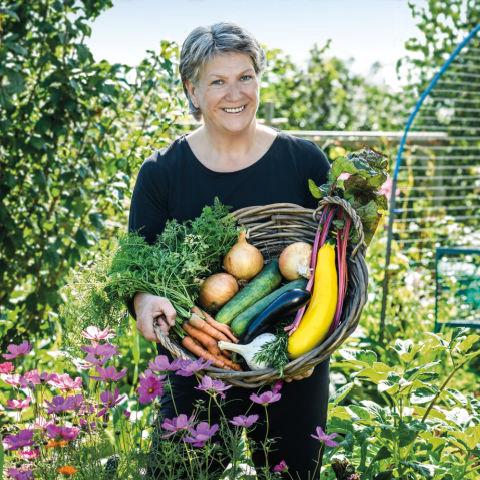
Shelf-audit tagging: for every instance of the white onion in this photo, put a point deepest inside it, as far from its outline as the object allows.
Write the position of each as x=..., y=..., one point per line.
x=217, y=290
x=294, y=261
x=243, y=260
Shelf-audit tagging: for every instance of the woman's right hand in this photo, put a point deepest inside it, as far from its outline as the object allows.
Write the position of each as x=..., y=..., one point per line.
x=150, y=309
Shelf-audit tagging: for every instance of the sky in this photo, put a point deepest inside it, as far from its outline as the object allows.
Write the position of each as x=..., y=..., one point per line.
x=366, y=30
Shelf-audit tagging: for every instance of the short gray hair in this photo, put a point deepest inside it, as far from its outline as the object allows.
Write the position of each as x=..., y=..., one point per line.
x=203, y=43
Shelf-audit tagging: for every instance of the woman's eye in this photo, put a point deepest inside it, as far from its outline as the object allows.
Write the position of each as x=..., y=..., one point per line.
x=217, y=82
x=246, y=77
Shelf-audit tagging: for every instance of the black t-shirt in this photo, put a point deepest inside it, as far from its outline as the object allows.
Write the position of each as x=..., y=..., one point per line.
x=174, y=184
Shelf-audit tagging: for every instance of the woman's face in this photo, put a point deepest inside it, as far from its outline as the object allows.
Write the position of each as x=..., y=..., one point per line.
x=227, y=92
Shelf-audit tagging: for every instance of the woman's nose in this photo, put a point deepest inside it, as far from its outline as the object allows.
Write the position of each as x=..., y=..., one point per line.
x=234, y=92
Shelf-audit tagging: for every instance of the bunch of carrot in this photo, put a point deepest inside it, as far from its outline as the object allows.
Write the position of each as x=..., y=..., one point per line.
x=202, y=335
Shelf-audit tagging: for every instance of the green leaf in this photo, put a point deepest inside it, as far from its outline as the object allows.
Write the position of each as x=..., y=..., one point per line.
x=424, y=469
x=423, y=395
x=341, y=393
x=314, y=190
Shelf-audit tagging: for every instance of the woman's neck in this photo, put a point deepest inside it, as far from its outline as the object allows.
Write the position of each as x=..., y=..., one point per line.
x=229, y=152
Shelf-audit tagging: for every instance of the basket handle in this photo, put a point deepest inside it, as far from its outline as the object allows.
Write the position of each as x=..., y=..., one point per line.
x=165, y=341
x=357, y=223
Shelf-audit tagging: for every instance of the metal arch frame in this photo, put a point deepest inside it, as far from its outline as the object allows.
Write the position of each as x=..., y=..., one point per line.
x=410, y=120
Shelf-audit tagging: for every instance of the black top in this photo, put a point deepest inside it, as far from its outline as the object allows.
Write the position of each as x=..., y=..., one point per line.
x=173, y=183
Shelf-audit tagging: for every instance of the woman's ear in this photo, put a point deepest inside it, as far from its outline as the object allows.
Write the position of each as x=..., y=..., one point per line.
x=191, y=89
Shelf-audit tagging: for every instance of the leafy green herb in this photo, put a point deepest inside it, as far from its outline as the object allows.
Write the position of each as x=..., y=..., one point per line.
x=274, y=353
x=173, y=267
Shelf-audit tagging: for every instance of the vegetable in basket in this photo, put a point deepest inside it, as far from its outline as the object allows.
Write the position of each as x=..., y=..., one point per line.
x=217, y=290
x=320, y=312
x=264, y=283
x=249, y=351
x=283, y=306
x=241, y=321
x=294, y=261
x=243, y=261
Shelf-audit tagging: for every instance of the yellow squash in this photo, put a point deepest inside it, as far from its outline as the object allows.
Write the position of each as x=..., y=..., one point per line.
x=320, y=312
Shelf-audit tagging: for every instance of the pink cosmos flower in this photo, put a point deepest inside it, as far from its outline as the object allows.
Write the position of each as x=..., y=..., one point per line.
x=176, y=424
x=208, y=384
x=277, y=386
x=24, y=438
x=60, y=404
x=344, y=176
x=31, y=454
x=109, y=374
x=387, y=188
x=160, y=364
x=31, y=378
x=201, y=434
x=64, y=381
x=22, y=473
x=18, y=404
x=322, y=437
x=244, y=421
x=281, y=467
x=150, y=388
x=186, y=368
x=62, y=433
x=6, y=367
x=265, y=398
x=87, y=426
x=96, y=335
x=99, y=354
x=17, y=350
x=13, y=379
x=109, y=400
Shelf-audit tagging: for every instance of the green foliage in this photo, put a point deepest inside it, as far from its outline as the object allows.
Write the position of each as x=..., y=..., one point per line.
x=326, y=95
x=173, y=267
x=73, y=130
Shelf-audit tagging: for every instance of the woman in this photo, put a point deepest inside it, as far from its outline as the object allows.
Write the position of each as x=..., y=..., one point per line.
x=232, y=157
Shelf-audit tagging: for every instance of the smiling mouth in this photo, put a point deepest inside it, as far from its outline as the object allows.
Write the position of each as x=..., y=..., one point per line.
x=234, y=110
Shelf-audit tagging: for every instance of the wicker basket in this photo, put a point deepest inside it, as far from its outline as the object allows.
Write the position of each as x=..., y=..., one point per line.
x=271, y=228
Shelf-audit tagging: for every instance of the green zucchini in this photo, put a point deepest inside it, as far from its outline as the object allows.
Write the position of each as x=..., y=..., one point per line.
x=241, y=321
x=260, y=286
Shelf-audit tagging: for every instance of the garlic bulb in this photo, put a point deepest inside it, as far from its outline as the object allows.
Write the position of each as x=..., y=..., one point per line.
x=250, y=350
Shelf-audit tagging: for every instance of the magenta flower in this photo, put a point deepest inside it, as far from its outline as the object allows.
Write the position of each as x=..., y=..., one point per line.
x=64, y=381
x=31, y=378
x=186, y=368
x=200, y=435
x=18, y=404
x=150, y=388
x=13, y=379
x=96, y=335
x=244, y=421
x=17, y=350
x=109, y=400
x=322, y=437
x=277, y=386
x=22, y=473
x=281, y=467
x=62, y=433
x=60, y=404
x=31, y=454
x=265, y=398
x=99, y=354
x=87, y=426
x=24, y=438
x=109, y=374
x=176, y=424
x=6, y=367
x=160, y=364
x=127, y=414
x=210, y=385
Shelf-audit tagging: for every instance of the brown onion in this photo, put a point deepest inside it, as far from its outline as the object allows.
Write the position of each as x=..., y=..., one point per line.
x=294, y=261
x=217, y=290
x=243, y=261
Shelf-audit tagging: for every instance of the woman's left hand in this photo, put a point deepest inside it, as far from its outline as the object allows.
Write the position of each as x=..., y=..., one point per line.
x=301, y=376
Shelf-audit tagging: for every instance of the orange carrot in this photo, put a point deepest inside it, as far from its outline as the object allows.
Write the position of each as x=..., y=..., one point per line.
x=198, y=322
x=225, y=329
x=206, y=340
x=193, y=346
x=232, y=365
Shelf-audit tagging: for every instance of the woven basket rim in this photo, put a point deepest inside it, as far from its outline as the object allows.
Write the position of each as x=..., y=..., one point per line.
x=357, y=268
